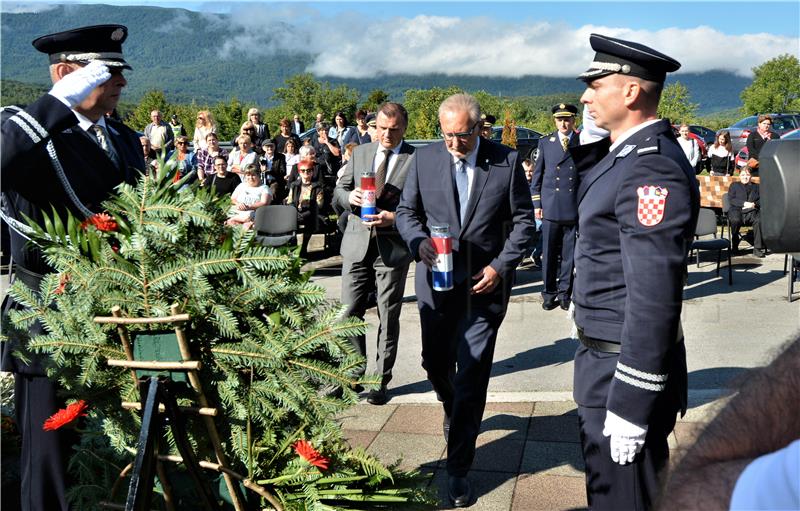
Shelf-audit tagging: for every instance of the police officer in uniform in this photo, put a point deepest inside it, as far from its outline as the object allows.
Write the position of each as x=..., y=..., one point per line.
x=553, y=190
x=62, y=151
x=638, y=201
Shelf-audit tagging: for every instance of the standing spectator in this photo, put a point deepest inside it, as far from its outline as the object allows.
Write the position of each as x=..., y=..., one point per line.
x=689, y=145
x=370, y=120
x=553, y=190
x=756, y=140
x=487, y=123
x=535, y=246
x=150, y=161
x=329, y=154
x=343, y=133
x=184, y=160
x=248, y=196
x=273, y=171
x=308, y=197
x=320, y=119
x=298, y=127
x=290, y=149
x=745, y=210
x=205, y=125
x=205, y=157
x=720, y=155
x=242, y=156
x=638, y=202
x=221, y=180
x=159, y=133
x=177, y=128
x=374, y=257
x=285, y=135
x=478, y=189
x=260, y=130
x=362, y=130
x=249, y=130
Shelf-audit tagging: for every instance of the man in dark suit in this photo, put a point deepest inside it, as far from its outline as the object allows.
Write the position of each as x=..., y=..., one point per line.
x=260, y=130
x=553, y=189
x=62, y=151
x=478, y=189
x=273, y=171
x=298, y=127
x=374, y=257
x=745, y=210
x=638, y=201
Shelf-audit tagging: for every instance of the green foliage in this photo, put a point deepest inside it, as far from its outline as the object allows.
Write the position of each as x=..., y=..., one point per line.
x=21, y=94
x=423, y=111
x=152, y=100
x=304, y=95
x=272, y=347
x=675, y=104
x=375, y=98
x=775, y=87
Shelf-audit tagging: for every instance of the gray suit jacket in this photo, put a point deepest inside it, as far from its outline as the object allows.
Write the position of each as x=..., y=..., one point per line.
x=355, y=242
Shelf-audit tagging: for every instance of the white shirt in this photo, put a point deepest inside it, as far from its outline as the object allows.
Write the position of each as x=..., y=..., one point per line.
x=771, y=481
x=86, y=124
x=630, y=132
x=376, y=163
x=471, y=160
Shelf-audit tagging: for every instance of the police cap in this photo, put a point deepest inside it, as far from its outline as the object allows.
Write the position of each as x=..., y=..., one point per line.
x=83, y=45
x=371, y=120
x=488, y=120
x=628, y=58
x=565, y=110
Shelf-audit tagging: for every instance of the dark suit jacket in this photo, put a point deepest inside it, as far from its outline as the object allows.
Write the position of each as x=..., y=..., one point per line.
x=356, y=238
x=739, y=194
x=555, y=180
x=301, y=130
x=498, y=222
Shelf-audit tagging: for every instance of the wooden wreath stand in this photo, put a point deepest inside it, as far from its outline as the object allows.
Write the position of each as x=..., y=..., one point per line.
x=158, y=402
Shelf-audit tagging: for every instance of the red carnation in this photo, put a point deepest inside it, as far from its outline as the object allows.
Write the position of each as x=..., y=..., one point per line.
x=306, y=451
x=62, y=283
x=66, y=416
x=102, y=221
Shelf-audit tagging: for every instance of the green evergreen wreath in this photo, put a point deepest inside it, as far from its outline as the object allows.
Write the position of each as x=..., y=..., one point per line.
x=272, y=347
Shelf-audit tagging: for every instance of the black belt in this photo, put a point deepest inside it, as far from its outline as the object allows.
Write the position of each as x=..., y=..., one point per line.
x=598, y=344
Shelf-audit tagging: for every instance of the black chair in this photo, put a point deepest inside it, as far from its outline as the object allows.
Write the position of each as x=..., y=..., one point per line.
x=794, y=270
x=276, y=226
x=707, y=225
x=726, y=222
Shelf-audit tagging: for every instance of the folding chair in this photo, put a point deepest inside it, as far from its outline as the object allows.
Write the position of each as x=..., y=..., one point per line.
x=276, y=225
x=707, y=225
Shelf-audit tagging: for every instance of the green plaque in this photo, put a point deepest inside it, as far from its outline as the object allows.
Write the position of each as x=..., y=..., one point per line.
x=158, y=346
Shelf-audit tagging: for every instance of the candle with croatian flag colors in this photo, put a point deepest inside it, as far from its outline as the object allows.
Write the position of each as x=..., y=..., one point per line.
x=442, y=271
x=368, y=195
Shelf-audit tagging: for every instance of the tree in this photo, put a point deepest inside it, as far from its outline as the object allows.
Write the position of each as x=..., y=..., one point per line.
x=509, y=137
x=152, y=100
x=300, y=94
x=229, y=118
x=423, y=111
x=675, y=104
x=375, y=98
x=775, y=87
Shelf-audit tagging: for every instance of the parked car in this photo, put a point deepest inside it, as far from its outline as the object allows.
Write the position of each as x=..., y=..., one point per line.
x=743, y=155
x=708, y=135
x=791, y=135
x=781, y=123
x=527, y=139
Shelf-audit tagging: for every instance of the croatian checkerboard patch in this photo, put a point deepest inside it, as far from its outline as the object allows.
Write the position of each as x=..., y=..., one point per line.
x=652, y=200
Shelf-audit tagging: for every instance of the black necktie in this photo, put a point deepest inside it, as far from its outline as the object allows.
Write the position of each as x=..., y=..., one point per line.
x=380, y=174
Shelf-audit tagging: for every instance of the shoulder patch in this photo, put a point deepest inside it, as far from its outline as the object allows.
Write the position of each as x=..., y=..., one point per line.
x=648, y=150
x=626, y=150
x=652, y=200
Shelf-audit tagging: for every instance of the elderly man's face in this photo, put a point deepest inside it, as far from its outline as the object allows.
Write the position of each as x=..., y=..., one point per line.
x=104, y=97
x=155, y=117
x=460, y=132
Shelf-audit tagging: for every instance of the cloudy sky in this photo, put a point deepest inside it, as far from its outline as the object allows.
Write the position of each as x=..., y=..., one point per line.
x=362, y=39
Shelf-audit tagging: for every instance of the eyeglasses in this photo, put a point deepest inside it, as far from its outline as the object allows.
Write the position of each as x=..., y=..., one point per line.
x=305, y=170
x=180, y=143
x=461, y=135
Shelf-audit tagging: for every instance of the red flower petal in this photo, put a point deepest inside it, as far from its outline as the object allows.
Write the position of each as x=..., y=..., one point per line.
x=62, y=283
x=66, y=415
x=102, y=221
x=306, y=451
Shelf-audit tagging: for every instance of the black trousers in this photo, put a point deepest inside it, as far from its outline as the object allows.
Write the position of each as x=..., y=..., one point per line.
x=752, y=218
x=558, y=243
x=458, y=340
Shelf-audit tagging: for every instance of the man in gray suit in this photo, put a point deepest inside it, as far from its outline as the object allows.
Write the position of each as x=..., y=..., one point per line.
x=374, y=257
x=478, y=188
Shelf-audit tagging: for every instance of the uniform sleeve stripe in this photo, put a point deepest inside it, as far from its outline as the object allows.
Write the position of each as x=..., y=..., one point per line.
x=641, y=374
x=638, y=383
x=27, y=129
x=34, y=123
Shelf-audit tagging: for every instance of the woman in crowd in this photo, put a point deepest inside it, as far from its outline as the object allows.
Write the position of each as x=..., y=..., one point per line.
x=184, y=160
x=221, y=181
x=757, y=139
x=346, y=155
x=343, y=133
x=242, y=156
x=362, y=130
x=285, y=135
x=689, y=145
x=290, y=152
x=205, y=125
x=247, y=198
x=308, y=197
x=720, y=155
x=249, y=130
x=204, y=158
x=307, y=152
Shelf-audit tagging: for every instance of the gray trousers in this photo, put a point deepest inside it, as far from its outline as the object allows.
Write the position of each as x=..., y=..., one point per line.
x=359, y=278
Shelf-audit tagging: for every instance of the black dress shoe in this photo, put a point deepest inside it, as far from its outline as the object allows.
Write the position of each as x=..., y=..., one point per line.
x=378, y=397
x=550, y=304
x=565, y=303
x=759, y=253
x=459, y=491
x=446, y=428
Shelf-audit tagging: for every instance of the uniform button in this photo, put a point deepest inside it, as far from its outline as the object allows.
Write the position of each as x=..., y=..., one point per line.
x=558, y=178
x=570, y=179
x=570, y=189
x=558, y=168
x=556, y=189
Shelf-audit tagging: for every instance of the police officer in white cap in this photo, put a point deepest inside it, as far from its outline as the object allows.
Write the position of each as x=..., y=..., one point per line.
x=638, y=201
x=62, y=151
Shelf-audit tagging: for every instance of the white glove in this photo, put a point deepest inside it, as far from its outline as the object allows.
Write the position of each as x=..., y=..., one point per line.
x=627, y=439
x=77, y=85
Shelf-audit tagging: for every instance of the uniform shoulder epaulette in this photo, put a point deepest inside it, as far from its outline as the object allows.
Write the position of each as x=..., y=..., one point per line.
x=652, y=147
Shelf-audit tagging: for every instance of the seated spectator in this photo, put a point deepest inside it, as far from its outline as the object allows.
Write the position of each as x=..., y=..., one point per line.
x=205, y=125
x=204, y=158
x=150, y=161
x=689, y=145
x=285, y=135
x=247, y=198
x=720, y=155
x=273, y=171
x=308, y=197
x=159, y=133
x=362, y=130
x=242, y=156
x=307, y=152
x=260, y=130
x=247, y=129
x=221, y=180
x=745, y=204
x=340, y=131
x=290, y=153
x=183, y=158
x=756, y=140
x=176, y=127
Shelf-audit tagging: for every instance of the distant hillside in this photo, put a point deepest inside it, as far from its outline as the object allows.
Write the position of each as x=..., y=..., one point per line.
x=187, y=67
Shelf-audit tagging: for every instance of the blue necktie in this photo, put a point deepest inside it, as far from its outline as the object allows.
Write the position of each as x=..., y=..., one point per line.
x=462, y=185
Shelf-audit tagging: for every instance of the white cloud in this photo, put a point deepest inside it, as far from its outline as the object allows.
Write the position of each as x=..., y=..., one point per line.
x=350, y=45
x=25, y=7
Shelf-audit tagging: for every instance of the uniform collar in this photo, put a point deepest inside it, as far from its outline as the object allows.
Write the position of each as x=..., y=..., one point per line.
x=86, y=124
x=630, y=132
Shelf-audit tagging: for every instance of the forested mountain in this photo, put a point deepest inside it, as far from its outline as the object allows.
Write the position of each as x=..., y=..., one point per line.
x=177, y=51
